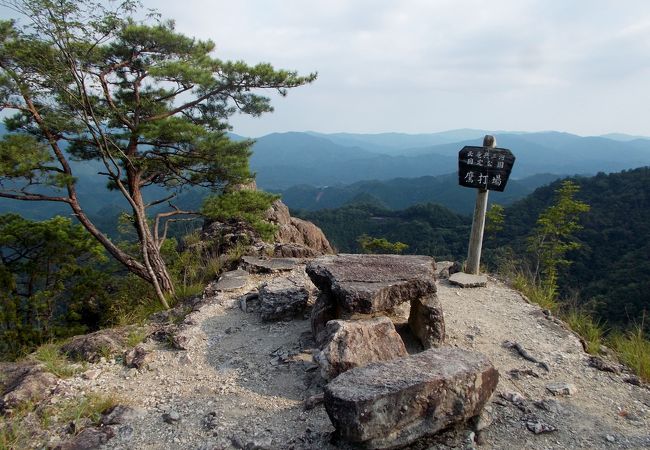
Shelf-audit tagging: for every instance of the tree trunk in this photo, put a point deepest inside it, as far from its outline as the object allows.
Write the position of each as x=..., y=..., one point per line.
x=158, y=275
x=158, y=265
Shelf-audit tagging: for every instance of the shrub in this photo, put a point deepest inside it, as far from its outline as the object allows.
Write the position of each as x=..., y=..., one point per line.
x=246, y=205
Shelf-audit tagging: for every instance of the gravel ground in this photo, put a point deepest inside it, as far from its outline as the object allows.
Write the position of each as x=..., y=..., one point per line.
x=243, y=383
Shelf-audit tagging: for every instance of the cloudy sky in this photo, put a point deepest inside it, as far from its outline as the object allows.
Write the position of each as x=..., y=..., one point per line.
x=581, y=66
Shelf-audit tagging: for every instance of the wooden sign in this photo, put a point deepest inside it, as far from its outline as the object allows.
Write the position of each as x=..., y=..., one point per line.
x=484, y=167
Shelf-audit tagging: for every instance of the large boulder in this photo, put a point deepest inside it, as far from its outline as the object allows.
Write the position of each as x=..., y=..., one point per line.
x=228, y=282
x=371, y=283
x=356, y=343
x=355, y=287
x=394, y=403
x=322, y=312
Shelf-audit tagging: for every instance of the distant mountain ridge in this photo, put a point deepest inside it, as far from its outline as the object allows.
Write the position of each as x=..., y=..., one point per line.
x=401, y=193
x=303, y=164
x=282, y=160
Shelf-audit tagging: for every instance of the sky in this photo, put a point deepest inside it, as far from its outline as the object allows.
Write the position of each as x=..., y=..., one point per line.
x=421, y=66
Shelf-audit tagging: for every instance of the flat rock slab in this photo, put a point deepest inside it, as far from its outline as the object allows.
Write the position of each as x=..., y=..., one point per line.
x=254, y=264
x=466, y=280
x=372, y=283
x=394, y=403
x=231, y=281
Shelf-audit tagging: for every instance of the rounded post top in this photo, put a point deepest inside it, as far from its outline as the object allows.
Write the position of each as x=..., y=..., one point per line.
x=489, y=141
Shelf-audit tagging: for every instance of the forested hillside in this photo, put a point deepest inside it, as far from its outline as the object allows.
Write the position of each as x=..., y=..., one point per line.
x=282, y=160
x=427, y=229
x=609, y=272
x=400, y=193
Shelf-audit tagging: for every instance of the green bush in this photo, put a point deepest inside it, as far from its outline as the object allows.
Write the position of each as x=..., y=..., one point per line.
x=371, y=244
x=246, y=205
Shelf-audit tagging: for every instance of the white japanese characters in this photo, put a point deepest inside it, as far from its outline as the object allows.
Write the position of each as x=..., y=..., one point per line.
x=485, y=168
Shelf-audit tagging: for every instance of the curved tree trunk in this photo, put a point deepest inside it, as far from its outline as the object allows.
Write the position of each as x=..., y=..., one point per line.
x=158, y=265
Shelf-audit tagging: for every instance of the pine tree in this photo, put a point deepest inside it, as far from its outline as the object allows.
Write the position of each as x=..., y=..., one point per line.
x=88, y=83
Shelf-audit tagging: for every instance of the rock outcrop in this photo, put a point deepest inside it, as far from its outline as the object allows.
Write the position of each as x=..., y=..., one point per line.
x=91, y=347
x=426, y=321
x=295, y=238
x=24, y=382
x=372, y=283
x=392, y=404
x=356, y=343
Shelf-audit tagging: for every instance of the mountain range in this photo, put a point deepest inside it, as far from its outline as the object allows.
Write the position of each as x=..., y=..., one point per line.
x=400, y=193
x=283, y=160
x=316, y=170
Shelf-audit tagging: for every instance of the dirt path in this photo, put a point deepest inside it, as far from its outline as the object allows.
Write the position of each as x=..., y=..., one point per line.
x=242, y=383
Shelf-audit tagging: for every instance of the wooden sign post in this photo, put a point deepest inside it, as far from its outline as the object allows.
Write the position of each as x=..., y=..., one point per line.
x=486, y=168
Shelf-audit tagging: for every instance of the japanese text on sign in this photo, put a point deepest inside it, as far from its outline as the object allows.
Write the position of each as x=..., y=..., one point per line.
x=484, y=167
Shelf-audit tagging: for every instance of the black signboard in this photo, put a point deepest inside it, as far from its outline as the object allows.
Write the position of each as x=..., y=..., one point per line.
x=484, y=167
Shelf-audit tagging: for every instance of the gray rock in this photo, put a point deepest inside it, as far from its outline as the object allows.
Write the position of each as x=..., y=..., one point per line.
x=171, y=417
x=254, y=264
x=91, y=374
x=601, y=364
x=370, y=283
x=231, y=281
x=466, y=280
x=138, y=357
x=446, y=268
x=246, y=301
x=633, y=379
x=281, y=299
x=538, y=427
x=92, y=347
x=550, y=405
x=89, y=439
x=119, y=415
x=561, y=388
x=313, y=401
x=211, y=421
x=392, y=404
x=427, y=321
x=351, y=344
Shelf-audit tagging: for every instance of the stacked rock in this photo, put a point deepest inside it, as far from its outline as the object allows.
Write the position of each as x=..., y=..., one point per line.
x=378, y=395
